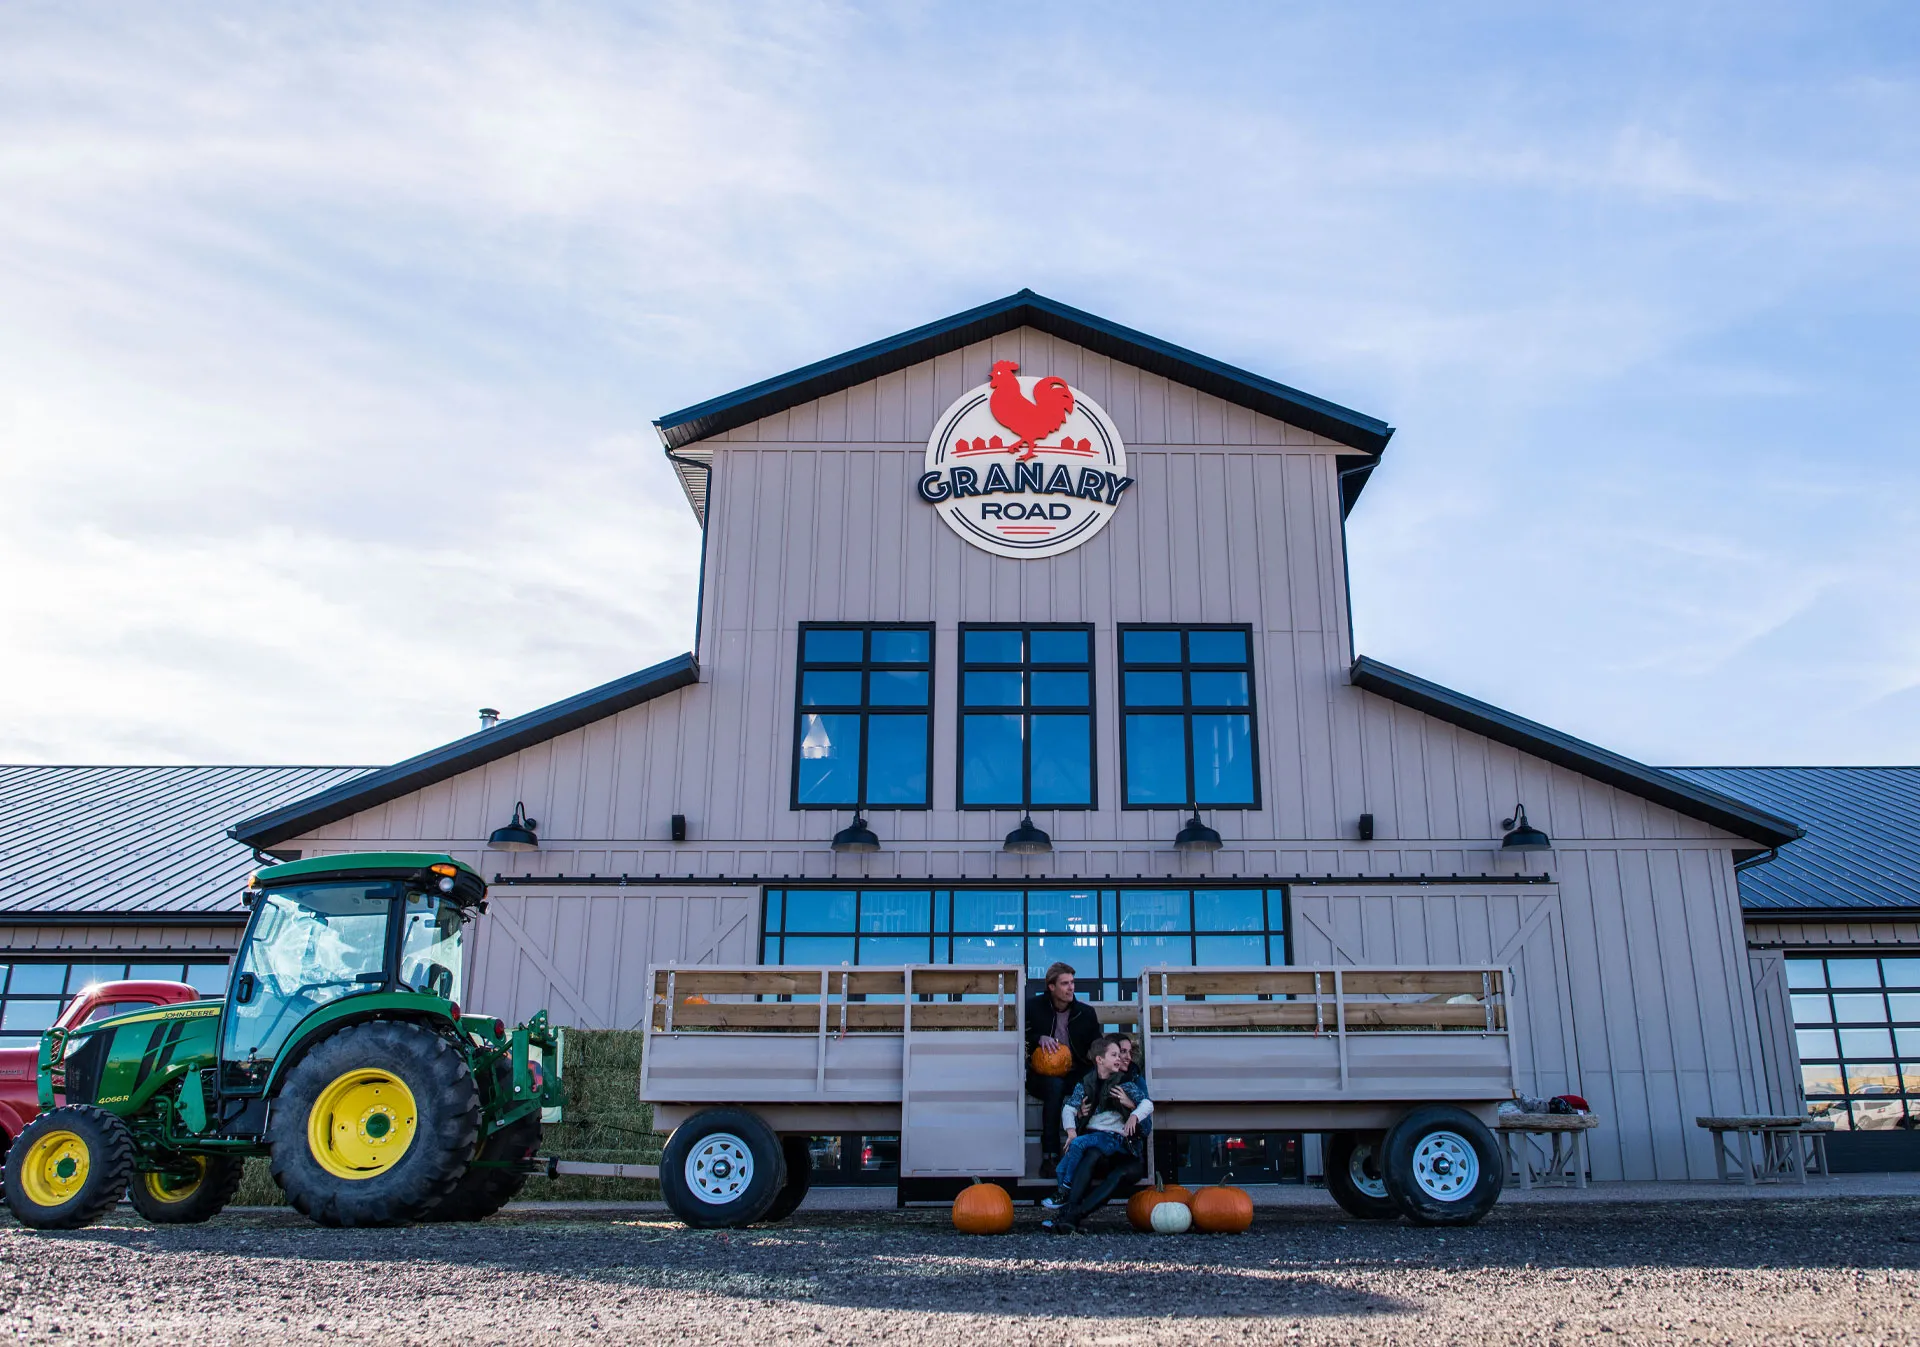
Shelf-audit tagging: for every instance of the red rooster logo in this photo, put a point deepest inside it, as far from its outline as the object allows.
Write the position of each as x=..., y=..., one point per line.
x=1032, y=419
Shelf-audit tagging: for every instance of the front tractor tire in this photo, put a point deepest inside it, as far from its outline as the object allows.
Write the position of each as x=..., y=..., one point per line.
x=722, y=1167
x=375, y=1126
x=68, y=1167
x=192, y=1189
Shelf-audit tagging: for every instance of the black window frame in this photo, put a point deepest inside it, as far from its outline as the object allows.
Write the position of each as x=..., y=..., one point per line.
x=1026, y=668
x=1187, y=710
x=865, y=711
x=1842, y=1062
x=1103, y=985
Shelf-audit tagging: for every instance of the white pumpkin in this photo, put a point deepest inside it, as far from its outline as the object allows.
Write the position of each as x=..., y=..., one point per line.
x=1172, y=1218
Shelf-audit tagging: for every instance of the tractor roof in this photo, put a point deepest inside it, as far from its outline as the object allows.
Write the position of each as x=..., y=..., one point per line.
x=354, y=864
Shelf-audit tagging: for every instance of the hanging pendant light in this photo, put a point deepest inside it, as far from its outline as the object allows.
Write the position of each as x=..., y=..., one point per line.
x=1027, y=840
x=1196, y=836
x=856, y=836
x=1522, y=836
x=518, y=835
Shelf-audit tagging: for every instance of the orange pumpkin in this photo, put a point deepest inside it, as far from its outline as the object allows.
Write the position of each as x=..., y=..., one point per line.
x=1054, y=1061
x=695, y=1000
x=1222, y=1210
x=1140, y=1206
x=983, y=1209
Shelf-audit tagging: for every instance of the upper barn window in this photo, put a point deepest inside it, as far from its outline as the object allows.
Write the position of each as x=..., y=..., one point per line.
x=1026, y=717
x=1187, y=729
x=863, y=728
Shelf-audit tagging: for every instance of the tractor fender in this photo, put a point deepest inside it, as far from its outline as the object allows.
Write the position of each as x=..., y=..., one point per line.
x=331, y=1018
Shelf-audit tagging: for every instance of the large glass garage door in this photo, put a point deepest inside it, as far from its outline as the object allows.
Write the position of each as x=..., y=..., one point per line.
x=1858, y=1025
x=1109, y=936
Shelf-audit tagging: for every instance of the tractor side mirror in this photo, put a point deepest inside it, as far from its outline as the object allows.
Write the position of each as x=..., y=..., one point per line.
x=440, y=981
x=243, y=989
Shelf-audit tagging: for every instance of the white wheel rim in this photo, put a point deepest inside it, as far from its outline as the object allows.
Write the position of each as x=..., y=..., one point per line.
x=720, y=1168
x=1446, y=1166
x=1357, y=1175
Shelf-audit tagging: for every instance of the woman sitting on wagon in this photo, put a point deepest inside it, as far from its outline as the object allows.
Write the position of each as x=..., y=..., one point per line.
x=1104, y=1120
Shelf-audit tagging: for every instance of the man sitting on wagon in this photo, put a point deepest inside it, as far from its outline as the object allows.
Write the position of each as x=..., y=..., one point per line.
x=1056, y=1018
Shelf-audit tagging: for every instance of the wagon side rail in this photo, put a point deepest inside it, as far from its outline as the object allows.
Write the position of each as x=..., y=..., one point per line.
x=750, y=1033
x=1357, y=1033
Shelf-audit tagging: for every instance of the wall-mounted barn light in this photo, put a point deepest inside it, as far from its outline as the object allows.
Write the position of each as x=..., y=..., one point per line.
x=856, y=836
x=1196, y=836
x=518, y=835
x=1366, y=827
x=1027, y=840
x=1521, y=835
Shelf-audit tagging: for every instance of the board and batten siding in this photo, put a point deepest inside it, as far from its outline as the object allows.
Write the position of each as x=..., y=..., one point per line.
x=581, y=954
x=1235, y=517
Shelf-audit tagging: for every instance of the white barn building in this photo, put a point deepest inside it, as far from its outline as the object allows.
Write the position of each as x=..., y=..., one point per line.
x=1024, y=563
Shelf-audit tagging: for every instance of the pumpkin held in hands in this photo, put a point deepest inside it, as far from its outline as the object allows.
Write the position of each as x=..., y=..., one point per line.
x=983, y=1209
x=1054, y=1061
x=1222, y=1210
x=1140, y=1206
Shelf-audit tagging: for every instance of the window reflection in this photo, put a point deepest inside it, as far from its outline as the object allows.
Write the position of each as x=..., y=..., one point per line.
x=1864, y=1074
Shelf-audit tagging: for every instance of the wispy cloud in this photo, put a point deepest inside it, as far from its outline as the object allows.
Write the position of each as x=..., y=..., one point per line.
x=329, y=338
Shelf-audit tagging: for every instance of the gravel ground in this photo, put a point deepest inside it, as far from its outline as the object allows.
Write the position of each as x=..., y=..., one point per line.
x=1825, y=1270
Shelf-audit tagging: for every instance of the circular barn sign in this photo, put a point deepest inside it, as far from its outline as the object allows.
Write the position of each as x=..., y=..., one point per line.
x=1025, y=467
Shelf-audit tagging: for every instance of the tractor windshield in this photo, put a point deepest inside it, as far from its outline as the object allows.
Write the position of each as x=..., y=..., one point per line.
x=307, y=946
x=430, y=946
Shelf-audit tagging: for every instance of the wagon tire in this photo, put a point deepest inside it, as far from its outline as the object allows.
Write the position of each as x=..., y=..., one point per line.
x=198, y=1192
x=722, y=1167
x=68, y=1167
x=1354, y=1176
x=375, y=1126
x=1442, y=1166
x=798, y=1153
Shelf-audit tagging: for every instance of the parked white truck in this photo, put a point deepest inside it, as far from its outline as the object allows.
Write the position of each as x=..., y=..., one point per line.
x=1401, y=1069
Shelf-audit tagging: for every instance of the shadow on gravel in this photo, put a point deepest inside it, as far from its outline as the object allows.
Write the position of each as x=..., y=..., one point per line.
x=1292, y=1262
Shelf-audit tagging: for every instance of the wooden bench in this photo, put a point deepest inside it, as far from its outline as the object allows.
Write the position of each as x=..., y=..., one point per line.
x=1568, y=1157
x=1771, y=1149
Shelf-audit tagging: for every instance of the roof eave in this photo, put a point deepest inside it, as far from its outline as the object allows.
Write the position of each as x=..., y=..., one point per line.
x=1563, y=750
x=509, y=736
x=1340, y=424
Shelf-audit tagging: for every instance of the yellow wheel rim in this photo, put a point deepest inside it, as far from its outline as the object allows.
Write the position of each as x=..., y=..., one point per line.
x=55, y=1168
x=176, y=1187
x=362, y=1124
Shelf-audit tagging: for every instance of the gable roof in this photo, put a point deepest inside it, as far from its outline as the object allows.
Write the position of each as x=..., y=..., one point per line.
x=1563, y=750
x=1358, y=431
x=509, y=736
x=135, y=841
x=1862, y=845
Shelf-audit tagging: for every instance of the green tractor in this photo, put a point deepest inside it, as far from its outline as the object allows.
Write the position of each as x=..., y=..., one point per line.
x=340, y=1051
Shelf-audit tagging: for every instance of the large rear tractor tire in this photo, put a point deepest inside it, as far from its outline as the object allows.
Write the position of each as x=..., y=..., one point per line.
x=1354, y=1178
x=722, y=1167
x=483, y=1191
x=196, y=1190
x=1442, y=1166
x=375, y=1126
x=68, y=1167
x=798, y=1153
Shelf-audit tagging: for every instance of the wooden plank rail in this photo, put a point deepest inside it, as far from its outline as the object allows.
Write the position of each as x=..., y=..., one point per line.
x=1301, y=1014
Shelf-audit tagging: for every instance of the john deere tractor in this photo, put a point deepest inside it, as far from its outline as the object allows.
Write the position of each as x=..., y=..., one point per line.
x=340, y=1051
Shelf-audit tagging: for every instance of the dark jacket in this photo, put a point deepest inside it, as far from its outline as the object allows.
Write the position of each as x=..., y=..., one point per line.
x=1083, y=1026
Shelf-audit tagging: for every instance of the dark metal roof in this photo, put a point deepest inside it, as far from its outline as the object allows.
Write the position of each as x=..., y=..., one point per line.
x=1862, y=846
x=1340, y=424
x=509, y=736
x=135, y=841
x=1695, y=800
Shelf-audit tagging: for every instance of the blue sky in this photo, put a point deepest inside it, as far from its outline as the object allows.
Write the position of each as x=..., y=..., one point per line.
x=331, y=337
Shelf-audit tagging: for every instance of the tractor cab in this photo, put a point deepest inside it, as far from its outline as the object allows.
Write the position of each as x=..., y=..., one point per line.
x=334, y=927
